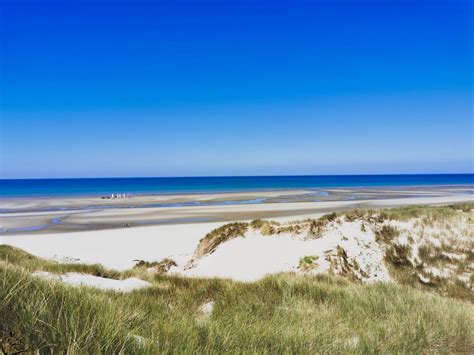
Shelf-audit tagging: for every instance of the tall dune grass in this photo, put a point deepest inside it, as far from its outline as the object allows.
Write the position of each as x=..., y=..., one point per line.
x=278, y=314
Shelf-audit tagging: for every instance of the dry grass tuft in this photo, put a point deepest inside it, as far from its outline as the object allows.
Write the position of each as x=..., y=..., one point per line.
x=160, y=267
x=386, y=234
x=213, y=239
x=354, y=215
x=398, y=254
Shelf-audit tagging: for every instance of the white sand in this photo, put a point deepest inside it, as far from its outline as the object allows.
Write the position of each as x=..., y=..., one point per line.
x=246, y=258
x=116, y=248
x=76, y=279
x=253, y=256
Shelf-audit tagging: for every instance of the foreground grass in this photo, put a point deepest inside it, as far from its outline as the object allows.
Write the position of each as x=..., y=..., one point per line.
x=31, y=263
x=281, y=313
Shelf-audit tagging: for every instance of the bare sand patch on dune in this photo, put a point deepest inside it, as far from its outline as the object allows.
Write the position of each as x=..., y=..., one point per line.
x=76, y=279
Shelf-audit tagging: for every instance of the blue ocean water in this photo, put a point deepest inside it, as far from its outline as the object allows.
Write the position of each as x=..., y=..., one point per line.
x=170, y=185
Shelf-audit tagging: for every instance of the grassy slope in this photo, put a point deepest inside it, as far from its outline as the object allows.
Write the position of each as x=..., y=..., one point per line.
x=281, y=313
x=444, y=217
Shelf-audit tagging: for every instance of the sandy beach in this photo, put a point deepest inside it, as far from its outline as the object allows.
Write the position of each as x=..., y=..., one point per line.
x=77, y=214
x=105, y=240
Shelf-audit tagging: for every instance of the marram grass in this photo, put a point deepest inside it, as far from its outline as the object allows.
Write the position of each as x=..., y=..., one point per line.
x=284, y=313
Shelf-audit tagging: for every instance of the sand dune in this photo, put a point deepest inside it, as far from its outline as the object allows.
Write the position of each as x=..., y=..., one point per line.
x=246, y=258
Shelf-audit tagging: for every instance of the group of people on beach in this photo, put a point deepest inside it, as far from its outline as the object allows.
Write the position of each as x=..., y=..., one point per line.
x=115, y=196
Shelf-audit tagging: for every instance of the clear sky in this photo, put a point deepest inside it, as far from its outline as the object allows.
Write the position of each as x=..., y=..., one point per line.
x=184, y=88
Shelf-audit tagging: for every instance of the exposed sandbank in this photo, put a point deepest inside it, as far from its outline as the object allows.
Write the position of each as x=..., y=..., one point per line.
x=85, y=214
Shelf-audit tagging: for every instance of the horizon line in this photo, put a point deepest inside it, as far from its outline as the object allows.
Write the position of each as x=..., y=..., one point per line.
x=229, y=176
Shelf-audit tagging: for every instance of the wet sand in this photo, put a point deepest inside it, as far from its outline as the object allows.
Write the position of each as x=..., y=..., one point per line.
x=58, y=215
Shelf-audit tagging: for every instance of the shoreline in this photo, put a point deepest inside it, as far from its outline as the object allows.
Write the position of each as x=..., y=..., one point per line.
x=36, y=216
x=237, y=192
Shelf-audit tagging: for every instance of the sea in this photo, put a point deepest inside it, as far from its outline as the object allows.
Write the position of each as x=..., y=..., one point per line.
x=14, y=188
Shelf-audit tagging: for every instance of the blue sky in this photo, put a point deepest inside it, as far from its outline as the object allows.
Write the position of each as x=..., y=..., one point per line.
x=184, y=88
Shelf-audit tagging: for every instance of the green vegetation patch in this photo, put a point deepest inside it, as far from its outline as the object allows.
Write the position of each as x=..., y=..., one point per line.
x=308, y=263
x=283, y=313
x=20, y=257
x=434, y=213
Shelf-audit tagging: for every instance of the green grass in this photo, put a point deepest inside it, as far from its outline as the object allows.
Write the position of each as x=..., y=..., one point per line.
x=418, y=272
x=286, y=313
x=21, y=258
x=283, y=313
x=30, y=263
x=430, y=212
x=448, y=287
x=308, y=263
